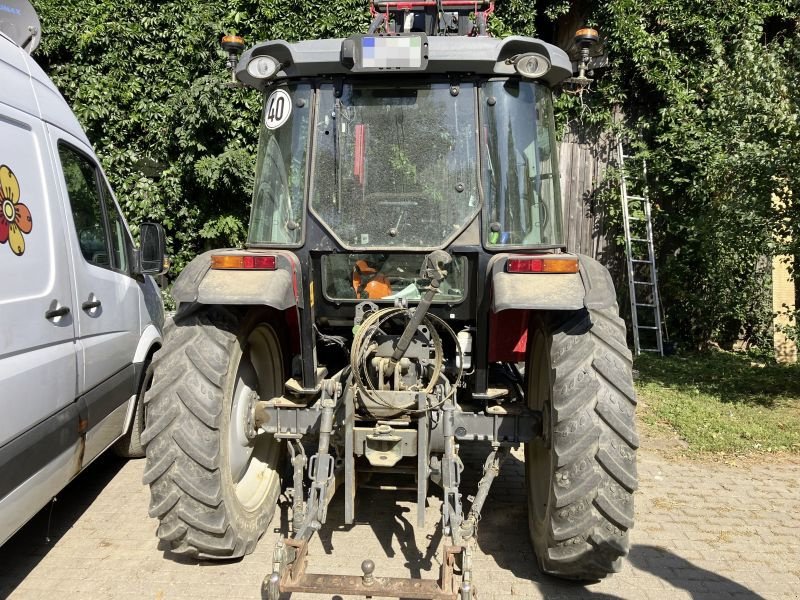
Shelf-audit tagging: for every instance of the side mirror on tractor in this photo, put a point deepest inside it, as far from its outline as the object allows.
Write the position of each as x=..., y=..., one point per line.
x=152, y=258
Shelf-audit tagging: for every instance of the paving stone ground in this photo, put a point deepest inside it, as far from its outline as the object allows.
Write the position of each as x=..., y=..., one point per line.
x=703, y=531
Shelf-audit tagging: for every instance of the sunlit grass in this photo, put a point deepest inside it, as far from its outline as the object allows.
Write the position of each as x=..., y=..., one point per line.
x=722, y=402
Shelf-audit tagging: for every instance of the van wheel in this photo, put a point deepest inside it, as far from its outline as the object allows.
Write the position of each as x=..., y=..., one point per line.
x=130, y=444
x=213, y=490
x=581, y=474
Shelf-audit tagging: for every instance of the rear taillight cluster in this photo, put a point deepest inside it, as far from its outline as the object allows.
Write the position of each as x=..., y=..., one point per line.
x=542, y=264
x=243, y=262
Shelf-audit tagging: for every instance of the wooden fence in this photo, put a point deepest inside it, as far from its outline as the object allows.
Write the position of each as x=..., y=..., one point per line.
x=583, y=161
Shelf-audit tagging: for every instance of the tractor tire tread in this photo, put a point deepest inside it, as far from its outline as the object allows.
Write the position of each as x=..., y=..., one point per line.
x=182, y=438
x=595, y=441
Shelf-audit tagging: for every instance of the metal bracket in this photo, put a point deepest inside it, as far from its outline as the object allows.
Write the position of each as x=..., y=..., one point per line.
x=290, y=558
x=291, y=576
x=467, y=590
x=349, y=463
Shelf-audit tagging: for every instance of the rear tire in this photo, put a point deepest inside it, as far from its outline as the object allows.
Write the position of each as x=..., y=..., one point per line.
x=581, y=474
x=213, y=491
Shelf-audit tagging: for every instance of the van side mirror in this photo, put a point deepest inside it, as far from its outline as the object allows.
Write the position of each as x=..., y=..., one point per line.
x=152, y=259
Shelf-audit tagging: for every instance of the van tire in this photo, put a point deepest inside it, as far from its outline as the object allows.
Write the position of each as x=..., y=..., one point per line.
x=130, y=444
x=191, y=436
x=581, y=474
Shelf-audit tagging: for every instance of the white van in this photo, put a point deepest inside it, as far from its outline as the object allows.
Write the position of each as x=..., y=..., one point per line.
x=80, y=314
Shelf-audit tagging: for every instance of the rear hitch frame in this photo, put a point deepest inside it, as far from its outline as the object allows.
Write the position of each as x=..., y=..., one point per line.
x=455, y=582
x=292, y=577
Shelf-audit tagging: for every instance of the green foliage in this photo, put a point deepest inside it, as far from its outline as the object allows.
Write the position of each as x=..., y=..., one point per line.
x=144, y=80
x=310, y=19
x=710, y=89
x=722, y=402
x=513, y=17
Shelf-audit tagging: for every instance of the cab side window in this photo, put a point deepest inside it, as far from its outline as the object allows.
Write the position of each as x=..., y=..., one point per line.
x=101, y=232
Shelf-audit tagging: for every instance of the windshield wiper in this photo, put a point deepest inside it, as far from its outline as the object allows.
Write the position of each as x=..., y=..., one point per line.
x=396, y=229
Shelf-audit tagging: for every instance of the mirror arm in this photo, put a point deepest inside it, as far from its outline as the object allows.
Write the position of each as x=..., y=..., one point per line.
x=137, y=263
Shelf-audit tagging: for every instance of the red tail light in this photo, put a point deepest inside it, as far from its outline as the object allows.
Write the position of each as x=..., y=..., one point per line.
x=243, y=262
x=542, y=264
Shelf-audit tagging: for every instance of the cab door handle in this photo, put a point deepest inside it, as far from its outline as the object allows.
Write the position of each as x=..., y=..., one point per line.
x=90, y=304
x=61, y=311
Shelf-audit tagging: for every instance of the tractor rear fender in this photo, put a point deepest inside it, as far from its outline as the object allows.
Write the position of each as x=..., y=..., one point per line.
x=591, y=287
x=280, y=288
x=516, y=295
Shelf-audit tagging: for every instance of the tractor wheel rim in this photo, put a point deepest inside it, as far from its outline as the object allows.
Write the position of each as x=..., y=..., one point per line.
x=253, y=463
x=240, y=448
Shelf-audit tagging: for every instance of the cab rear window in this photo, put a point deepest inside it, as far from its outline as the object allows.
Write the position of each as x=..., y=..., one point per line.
x=377, y=276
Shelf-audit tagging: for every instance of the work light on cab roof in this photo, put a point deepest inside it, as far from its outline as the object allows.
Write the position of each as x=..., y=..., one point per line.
x=405, y=289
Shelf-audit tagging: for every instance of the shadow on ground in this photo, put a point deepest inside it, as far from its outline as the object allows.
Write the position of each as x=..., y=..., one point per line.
x=20, y=554
x=684, y=575
x=504, y=535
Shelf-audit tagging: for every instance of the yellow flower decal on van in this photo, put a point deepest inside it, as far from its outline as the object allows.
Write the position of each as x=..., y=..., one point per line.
x=15, y=218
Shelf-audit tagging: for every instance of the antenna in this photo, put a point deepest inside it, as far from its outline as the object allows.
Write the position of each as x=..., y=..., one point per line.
x=18, y=21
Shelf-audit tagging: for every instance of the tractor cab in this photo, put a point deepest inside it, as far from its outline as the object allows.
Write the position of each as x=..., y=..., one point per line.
x=406, y=142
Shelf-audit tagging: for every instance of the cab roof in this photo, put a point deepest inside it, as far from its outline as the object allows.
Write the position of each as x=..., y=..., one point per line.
x=446, y=55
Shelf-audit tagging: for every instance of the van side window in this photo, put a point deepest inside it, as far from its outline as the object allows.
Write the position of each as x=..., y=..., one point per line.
x=120, y=249
x=101, y=232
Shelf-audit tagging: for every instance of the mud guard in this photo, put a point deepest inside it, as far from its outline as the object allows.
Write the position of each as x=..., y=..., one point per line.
x=591, y=288
x=280, y=288
x=600, y=291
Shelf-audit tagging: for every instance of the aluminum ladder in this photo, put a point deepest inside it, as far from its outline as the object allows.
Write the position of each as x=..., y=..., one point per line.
x=640, y=255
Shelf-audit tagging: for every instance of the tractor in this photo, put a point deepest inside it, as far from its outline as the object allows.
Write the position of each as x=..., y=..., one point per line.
x=405, y=289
